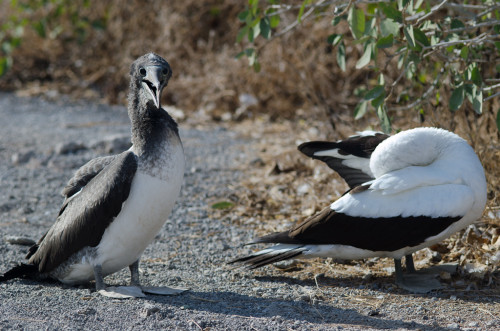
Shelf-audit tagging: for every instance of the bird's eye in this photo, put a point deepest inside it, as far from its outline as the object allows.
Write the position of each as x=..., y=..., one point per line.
x=164, y=71
x=142, y=71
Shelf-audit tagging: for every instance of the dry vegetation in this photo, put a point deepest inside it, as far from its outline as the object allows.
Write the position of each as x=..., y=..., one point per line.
x=299, y=81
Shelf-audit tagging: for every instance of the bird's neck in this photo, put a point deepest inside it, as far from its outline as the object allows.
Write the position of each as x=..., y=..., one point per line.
x=151, y=129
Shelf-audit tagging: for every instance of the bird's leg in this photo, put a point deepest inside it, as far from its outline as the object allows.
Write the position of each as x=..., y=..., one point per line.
x=410, y=266
x=399, y=271
x=134, y=274
x=99, y=279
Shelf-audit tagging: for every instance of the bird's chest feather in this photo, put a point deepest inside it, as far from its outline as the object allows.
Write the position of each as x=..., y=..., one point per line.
x=152, y=196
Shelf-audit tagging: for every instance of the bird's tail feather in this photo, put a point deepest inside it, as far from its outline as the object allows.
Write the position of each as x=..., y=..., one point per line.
x=270, y=255
x=22, y=270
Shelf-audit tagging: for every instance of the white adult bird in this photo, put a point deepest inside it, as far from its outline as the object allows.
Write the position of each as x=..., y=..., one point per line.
x=408, y=191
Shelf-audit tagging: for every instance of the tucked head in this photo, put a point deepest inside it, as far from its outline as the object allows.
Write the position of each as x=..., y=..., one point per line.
x=149, y=75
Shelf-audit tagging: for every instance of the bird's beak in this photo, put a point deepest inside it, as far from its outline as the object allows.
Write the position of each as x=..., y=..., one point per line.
x=153, y=83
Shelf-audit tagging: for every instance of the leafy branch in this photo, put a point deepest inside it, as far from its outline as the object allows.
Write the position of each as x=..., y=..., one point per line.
x=448, y=49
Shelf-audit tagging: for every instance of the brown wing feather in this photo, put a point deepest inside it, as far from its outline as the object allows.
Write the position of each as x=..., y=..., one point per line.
x=85, y=216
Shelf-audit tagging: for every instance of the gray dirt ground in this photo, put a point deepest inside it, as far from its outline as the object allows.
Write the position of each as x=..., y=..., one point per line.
x=43, y=143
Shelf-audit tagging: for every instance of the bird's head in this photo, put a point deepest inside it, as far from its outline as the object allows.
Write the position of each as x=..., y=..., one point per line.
x=149, y=75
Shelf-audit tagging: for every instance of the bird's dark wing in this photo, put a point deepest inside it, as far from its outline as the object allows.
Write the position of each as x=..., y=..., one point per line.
x=376, y=234
x=85, y=174
x=84, y=218
x=350, y=158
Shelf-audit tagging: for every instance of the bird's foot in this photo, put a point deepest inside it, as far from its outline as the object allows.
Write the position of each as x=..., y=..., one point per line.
x=163, y=290
x=419, y=283
x=425, y=280
x=122, y=292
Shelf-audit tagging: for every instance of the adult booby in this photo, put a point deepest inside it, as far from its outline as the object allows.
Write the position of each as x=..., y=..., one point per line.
x=115, y=205
x=408, y=191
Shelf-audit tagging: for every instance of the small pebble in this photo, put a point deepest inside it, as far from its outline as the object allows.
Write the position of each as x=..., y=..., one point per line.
x=148, y=310
x=15, y=240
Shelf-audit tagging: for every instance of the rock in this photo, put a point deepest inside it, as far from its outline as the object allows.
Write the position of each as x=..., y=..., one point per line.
x=148, y=310
x=22, y=157
x=86, y=311
x=15, y=240
x=68, y=147
x=112, y=144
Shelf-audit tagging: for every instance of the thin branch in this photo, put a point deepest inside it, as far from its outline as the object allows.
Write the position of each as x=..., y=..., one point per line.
x=491, y=96
x=487, y=11
x=490, y=87
x=479, y=39
x=432, y=11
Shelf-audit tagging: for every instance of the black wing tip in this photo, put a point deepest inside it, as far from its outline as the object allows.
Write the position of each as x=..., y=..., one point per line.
x=257, y=260
x=22, y=270
x=311, y=147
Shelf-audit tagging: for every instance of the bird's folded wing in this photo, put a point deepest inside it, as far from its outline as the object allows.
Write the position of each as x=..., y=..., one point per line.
x=412, y=177
x=84, y=218
x=83, y=175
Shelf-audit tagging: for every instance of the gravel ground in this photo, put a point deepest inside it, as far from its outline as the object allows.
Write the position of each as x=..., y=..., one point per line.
x=43, y=143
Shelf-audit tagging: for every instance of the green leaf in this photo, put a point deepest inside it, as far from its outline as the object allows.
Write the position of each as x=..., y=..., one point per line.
x=243, y=16
x=256, y=66
x=410, y=37
x=334, y=39
x=389, y=26
x=251, y=55
x=338, y=19
x=375, y=92
x=222, y=205
x=341, y=56
x=475, y=76
x=391, y=12
x=456, y=24
x=265, y=27
x=385, y=42
x=420, y=37
x=378, y=101
x=274, y=21
x=498, y=120
x=242, y=33
x=381, y=79
x=302, y=8
x=356, y=20
x=239, y=55
x=385, y=122
x=360, y=110
x=477, y=101
x=366, y=57
x=457, y=98
x=3, y=66
x=255, y=31
x=40, y=28
x=464, y=52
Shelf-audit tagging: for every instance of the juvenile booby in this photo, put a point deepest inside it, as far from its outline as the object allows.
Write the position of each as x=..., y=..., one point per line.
x=408, y=191
x=115, y=205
